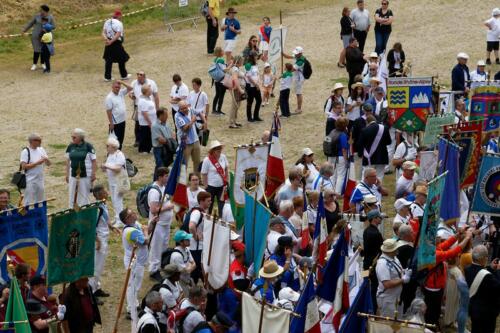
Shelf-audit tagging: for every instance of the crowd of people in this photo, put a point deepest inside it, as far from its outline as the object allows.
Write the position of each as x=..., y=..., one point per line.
x=465, y=281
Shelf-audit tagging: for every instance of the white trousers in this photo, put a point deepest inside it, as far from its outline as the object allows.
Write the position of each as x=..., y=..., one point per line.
x=134, y=284
x=339, y=172
x=34, y=192
x=380, y=168
x=100, y=258
x=159, y=244
x=386, y=305
x=116, y=199
x=84, y=186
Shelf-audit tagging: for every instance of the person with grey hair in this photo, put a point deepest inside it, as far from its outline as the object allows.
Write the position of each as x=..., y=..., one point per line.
x=276, y=230
x=116, y=109
x=285, y=212
x=33, y=159
x=151, y=317
x=370, y=185
x=114, y=167
x=323, y=179
x=484, y=291
x=81, y=166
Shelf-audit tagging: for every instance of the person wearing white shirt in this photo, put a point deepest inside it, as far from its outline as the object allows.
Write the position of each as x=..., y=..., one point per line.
x=197, y=300
x=198, y=101
x=402, y=207
x=309, y=169
x=112, y=33
x=323, y=180
x=405, y=183
x=136, y=93
x=214, y=174
x=116, y=109
x=196, y=224
x=405, y=151
x=114, y=166
x=160, y=219
x=170, y=290
x=179, y=92
x=181, y=257
x=193, y=190
x=460, y=111
x=146, y=110
x=493, y=35
x=418, y=206
x=479, y=76
x=445, y=230
x=33, y=159
x=276, y=230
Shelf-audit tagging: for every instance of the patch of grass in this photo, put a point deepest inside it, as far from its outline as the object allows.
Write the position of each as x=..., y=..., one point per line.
x=58, y=146
x=135, y=186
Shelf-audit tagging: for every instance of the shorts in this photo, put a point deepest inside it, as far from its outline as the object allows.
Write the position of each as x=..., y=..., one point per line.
x=229, y=45
x=264, y=46
x=298, y=87
x=492, y=46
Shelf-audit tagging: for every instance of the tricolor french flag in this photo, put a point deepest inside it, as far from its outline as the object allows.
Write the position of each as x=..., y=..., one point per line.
x=335, y=285
x=349, y=184
x=275, y=171
x=177, y=184
x=307, y=307
x=305, y=225
x=320, y=237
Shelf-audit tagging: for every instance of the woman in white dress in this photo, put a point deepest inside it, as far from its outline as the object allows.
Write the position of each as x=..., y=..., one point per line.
x=114, y=165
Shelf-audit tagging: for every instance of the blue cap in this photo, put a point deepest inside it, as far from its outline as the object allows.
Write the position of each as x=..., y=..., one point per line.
x=181, y=235
x=48, y=27
x=374, y=213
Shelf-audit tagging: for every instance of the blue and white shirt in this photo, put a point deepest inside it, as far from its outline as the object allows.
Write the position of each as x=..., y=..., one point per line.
x=360, y=191
x=180, y=121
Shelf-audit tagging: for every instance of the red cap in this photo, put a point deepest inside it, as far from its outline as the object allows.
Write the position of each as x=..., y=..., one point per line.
x=238, y=246
x=117, y=13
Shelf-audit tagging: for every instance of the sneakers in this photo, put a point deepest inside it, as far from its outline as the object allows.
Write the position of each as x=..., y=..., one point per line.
x=156, y=276
x=107, y=80
x=127, y=77
x=44, y=67
x=33, y=67
x=101, y=293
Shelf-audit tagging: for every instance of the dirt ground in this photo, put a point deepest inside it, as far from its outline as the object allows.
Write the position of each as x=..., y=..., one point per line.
x=432, y=33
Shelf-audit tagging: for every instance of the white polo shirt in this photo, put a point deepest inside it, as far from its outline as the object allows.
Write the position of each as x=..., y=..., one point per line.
x=112, y=26
x=146, y=106
x=198, y=101
x=171, y=294
x=116, y=103
x=35, y=155
x=181, y=91
x=155, y=196
x=213, y=177
x=494, y=34
x=137, y=88
x=388, y=269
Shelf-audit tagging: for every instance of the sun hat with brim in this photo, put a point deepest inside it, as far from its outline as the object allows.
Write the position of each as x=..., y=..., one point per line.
x=33, y=307
x=231, y=10
x=338, y=85
x=400, y=203
x=307, y=152
x=171, y=269
x=390, y=245
x=409, y=165
x=357, y=85
x=374, y=213
x=270, y=270
x=421, y=190
x=481, y=63
x=374, y=55
x=375, y=79
x=288, y=294
x=215, y=144
x=462, y=55
x=298, y=50
x=181, y=235
x=370, y=199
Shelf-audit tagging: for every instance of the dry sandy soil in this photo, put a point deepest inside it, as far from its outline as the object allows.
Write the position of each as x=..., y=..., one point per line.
x=432, y=33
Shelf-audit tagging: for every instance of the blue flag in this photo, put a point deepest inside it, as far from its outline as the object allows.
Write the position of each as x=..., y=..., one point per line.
x=24, y=238
x=256, y=226
x=448, y=158
x=362, y=303
x=487, y=191
x=175, y=171
x=307, y=322
x=334, y=270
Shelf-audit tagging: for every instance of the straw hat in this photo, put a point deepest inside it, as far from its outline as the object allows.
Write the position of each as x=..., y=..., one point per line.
x=390, y=245
x=338, y=85
x=375, y=79
x=409, y=165
x=462, y=55
x=215, y=144
x=370, y=199
x=374, y=55
x=356, y=85
x=270, y=270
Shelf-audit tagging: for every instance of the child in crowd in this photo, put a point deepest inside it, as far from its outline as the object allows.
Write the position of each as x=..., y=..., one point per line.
x=47, y=45
x=267, y=83
x=265, y=37
x=285, y=85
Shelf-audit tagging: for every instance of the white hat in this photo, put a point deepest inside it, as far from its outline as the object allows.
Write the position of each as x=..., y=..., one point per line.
x=215, y=144
x=400, y=203
x=288, y=294
x=409, y=165
x=234, y=236
x=370, y=199
x=462, y=55
x=495, y=12
x=481, y=63
x=298, y=50
x=374, y=55
x=267, y=65
x=307, y=151
x=338, y=85
x=390, y=245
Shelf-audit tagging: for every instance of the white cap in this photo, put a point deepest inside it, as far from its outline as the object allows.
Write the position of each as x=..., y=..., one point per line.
x=307, y=151
x=370, y=199
x=374, y=55
x=288, y=294
x=234, y=236
x=298, y=50
x=462, y=55
x=338, y=85
x=481, y=63
x=495, y=12
x=267, y=65
x=400, y=203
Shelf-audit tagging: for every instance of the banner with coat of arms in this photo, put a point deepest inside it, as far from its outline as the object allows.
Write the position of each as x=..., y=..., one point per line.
x=486, y=198
x=72, y=245
x=485, y=106
x=409, y=101
x=24, y=239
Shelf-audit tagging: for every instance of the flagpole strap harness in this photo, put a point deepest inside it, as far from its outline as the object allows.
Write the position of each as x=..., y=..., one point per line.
x=374, y=145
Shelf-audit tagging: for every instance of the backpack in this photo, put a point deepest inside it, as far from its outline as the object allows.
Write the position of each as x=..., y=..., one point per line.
x=216, y=72
x=331, y=104
x=130, y=167
x=155, y=287
x=187, y=218
x=165, y=256
x=307, y=72
x=141, y=199
x=331, y=143
x=177, y=317
x=204, y=9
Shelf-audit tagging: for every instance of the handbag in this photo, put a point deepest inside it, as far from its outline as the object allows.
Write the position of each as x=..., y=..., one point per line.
x=122, y=182
x=171, y=145
x=204, y=137
x=130, y=167
x=19, y=177
x=227, y=81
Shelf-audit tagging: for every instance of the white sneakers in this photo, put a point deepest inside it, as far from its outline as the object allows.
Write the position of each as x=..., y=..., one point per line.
x=44, y=67
x=127, y=77
x=33, y=68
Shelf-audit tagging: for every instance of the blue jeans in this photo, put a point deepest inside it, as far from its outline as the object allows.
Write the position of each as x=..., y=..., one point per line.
x=463, y=296
x=381, y=39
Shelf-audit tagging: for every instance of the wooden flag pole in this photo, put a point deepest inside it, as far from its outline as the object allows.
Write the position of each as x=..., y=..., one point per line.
x=281, y=40
x=261, y=318
x=77, y=186
x=124, y=290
